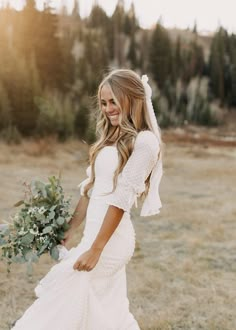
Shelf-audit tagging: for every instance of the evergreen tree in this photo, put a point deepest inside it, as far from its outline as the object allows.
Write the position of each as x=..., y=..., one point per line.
x=22, y=90
x=177, y=61
x=118, y=19
x=97, y=18
x=217, y=63
x=195, y=28
x=130, y=21
x=231, y=86
x=76, y=9
x=143, y=49
x=27, y=29
x=131, y=28
x=160, y=55
x=193, y=61
x=48, y=53
x=5, y=108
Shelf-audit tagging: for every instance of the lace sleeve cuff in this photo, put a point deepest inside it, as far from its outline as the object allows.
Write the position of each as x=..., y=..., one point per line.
x=124, y=195
x=122, y=198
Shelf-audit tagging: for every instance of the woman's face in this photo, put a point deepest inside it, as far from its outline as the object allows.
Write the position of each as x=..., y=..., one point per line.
x=109, y=107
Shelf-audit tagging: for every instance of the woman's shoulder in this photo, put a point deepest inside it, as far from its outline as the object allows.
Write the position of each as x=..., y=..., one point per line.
x=147, y=139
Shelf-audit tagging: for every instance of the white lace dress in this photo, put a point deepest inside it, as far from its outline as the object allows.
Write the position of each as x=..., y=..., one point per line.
x=68, y=299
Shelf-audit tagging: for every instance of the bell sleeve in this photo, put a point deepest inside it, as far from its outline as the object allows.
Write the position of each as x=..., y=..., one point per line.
x=131, y=181
x=82, y=184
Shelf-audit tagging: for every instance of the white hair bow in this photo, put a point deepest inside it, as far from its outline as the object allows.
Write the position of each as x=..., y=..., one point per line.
x=152, y=202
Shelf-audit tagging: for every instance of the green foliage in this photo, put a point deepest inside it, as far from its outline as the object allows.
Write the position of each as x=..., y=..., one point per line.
x=176, y=106
x=52, y=64
x=10, y=135
x=222, y=64
x=217, y=63
x=160, y=55
x=56, y=115
x=192, y=62
x=82, y=121
x=40, y=224
x=5, y=108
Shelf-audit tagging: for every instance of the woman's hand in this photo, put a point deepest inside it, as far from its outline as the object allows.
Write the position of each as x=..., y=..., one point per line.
x=88, y=260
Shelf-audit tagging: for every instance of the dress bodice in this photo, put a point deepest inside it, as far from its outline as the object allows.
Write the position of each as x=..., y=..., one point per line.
x=131, y=180
x=105, y=165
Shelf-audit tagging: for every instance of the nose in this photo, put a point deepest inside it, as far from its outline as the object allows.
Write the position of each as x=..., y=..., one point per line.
x=109, y=108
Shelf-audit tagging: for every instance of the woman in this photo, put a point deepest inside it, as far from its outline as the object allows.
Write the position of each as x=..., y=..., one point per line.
x=87, y=289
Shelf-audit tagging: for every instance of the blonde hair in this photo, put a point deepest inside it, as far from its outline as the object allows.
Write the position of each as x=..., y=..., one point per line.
x=128, y=93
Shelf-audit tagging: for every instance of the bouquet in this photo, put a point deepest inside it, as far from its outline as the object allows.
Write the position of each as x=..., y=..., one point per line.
x=39, y=226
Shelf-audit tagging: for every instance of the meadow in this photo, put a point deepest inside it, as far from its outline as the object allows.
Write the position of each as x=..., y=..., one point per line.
x=182, y=275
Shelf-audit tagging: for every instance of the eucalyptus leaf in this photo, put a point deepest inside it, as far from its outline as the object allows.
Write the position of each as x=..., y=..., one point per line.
x=47, y=229
x=54, y=252
x=29, y=269
x=27, y=239
x=45, y=221
x=18, y=259
x=28, y=218
x=40, y=217
x=4, y=229
x=25, y=251
x=2, y=241
x=60, y=221
x=53, y=207
x=19, y=203
x=66, y=226
x=41, y=188
x=43, y=248
x=31, y=256
x=51, y=215
x=60, y=235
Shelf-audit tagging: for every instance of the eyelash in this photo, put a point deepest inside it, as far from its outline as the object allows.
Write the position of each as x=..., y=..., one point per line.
x=113, y=102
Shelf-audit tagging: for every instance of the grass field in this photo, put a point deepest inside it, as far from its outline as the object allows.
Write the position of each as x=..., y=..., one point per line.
x=183, y=272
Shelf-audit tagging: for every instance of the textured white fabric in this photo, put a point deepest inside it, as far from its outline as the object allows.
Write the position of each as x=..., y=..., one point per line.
x=152, y=203
x=131, y=181
x=96, y=300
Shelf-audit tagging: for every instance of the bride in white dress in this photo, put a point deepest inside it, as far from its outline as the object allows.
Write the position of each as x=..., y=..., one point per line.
x=87, y=290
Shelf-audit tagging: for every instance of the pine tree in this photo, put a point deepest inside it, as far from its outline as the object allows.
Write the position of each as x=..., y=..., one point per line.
x=131, y=28
x=178, y=58
x=5, y=108
x=217, y=64
x=160, y=54
x=118, y=19
x=47, y=51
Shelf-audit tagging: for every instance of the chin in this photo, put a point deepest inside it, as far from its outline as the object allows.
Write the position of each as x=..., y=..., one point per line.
x=114, y=123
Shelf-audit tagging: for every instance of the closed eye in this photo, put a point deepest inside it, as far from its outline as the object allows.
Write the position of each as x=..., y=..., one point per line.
x=111, y=101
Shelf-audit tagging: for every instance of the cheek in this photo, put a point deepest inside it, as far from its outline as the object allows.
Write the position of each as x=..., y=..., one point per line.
x=116, y=108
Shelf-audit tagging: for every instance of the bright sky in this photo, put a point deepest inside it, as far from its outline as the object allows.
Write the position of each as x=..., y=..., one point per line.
x=208, y=14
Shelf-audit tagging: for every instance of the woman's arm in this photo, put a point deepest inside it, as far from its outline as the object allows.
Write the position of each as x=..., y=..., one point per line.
x=77, y=217
x=79, y=213
x=88, y=260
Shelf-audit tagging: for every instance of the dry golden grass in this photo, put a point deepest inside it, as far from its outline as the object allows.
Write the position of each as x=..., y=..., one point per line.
x=183, y=272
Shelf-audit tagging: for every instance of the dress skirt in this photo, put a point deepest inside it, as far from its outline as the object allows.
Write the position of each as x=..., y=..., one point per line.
x=69, y=299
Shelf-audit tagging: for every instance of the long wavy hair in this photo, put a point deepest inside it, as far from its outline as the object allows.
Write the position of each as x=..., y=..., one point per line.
x=128, y=93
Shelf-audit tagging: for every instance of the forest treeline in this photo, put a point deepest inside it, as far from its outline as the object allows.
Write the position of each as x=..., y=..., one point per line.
x=52, y=63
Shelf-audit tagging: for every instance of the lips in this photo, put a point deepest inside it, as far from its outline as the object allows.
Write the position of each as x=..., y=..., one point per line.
x=113, y=116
